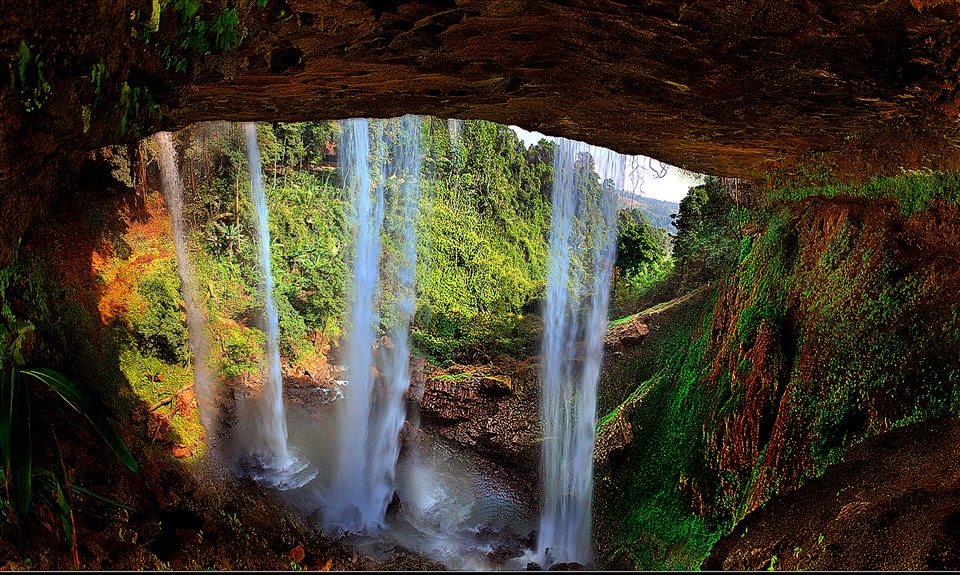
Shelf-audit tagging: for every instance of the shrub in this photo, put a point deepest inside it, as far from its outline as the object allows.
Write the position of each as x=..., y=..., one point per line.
x=162, y=326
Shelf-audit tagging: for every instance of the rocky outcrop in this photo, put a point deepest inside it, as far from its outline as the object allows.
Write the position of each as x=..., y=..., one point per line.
x=720, y=87
x=838, y=324
x=491, y=409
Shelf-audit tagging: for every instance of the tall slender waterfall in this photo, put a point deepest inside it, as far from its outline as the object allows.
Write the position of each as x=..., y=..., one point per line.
x=454, y=129
x=405, y=170
x=354, y=502
x=196, y=318
x=581, y=258
x=374, y=409
x=272, y=423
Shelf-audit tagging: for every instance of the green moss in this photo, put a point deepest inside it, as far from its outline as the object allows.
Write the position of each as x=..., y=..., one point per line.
x=162, y=324
x=455, y=377
x=605, y=420
x=912, y=190
x=151, y=378
x=657, y=530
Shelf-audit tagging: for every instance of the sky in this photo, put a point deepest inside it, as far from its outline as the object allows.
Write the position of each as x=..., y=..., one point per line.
x=672, y=187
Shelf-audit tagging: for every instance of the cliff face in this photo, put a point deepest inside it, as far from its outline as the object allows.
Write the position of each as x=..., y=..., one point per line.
x=839, y=323
x=721, y=87
x=892, y=504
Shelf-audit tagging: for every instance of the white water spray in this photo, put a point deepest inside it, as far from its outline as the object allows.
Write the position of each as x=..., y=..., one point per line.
x=454, y=129
x=582, y=251
x=196, y=318
x=391, y=411
x=272, y=423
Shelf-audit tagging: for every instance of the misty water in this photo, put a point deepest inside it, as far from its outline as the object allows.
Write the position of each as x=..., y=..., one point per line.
x=583, y=241
x=457, y=508
x=268, y=458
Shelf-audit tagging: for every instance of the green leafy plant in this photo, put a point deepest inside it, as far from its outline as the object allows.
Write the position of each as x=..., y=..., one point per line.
x=161, y=327
x=136, y=105
x=34, y=87
x=198, y=35
x=22, y=481
x=23, y=434
x=98, y=73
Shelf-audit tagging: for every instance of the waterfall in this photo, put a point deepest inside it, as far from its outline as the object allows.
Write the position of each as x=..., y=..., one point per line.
x=272, y=422
x=581, y=258
x=196, y=318
x=355, y=502
x=373, y=410
x=405, y=169
x=454, y=127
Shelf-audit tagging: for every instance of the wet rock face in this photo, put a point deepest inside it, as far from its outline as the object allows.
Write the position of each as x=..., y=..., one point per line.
x=718, y=86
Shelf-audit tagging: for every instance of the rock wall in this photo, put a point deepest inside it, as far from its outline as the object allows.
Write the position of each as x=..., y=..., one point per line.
x=493, y=410
x=891, y=505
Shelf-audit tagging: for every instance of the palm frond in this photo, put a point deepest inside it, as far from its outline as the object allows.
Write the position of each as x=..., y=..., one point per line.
x=72, y=394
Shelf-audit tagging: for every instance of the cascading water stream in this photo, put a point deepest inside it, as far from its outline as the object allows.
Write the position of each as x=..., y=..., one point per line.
x=354, y=503
x=581, y=259
x=196, y=318
x=374, y=410
x=277, y=463
x=454, y=129
x=390, y=411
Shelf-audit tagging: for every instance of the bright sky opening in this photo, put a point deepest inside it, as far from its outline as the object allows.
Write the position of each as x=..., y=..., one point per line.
x=657, y=180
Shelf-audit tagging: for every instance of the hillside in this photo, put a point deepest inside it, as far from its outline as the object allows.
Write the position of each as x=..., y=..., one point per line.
x=656, y=211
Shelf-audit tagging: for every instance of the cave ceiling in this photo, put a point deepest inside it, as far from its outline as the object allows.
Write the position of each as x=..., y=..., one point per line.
x=729, y=88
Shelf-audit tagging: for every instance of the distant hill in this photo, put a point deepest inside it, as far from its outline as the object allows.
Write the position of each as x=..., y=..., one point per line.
x=656, y=211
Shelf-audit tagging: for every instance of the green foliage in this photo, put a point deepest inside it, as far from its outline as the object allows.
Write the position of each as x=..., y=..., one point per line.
x=162, y=328
x=136, y=107
x=638, y=250
x=706, y=241
x=636, y=291
x=224, y=30
x=656, y=529
x=642, y=264
x=767, y=286
x=242, y=351
x=33, y=85
x=476, y=338
x=19, y=449
x=483, y=240
x=306, y=219
x=23, y=480
x=98, y=74
x=201, y=31
x=912, y=190
x=77, y=398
